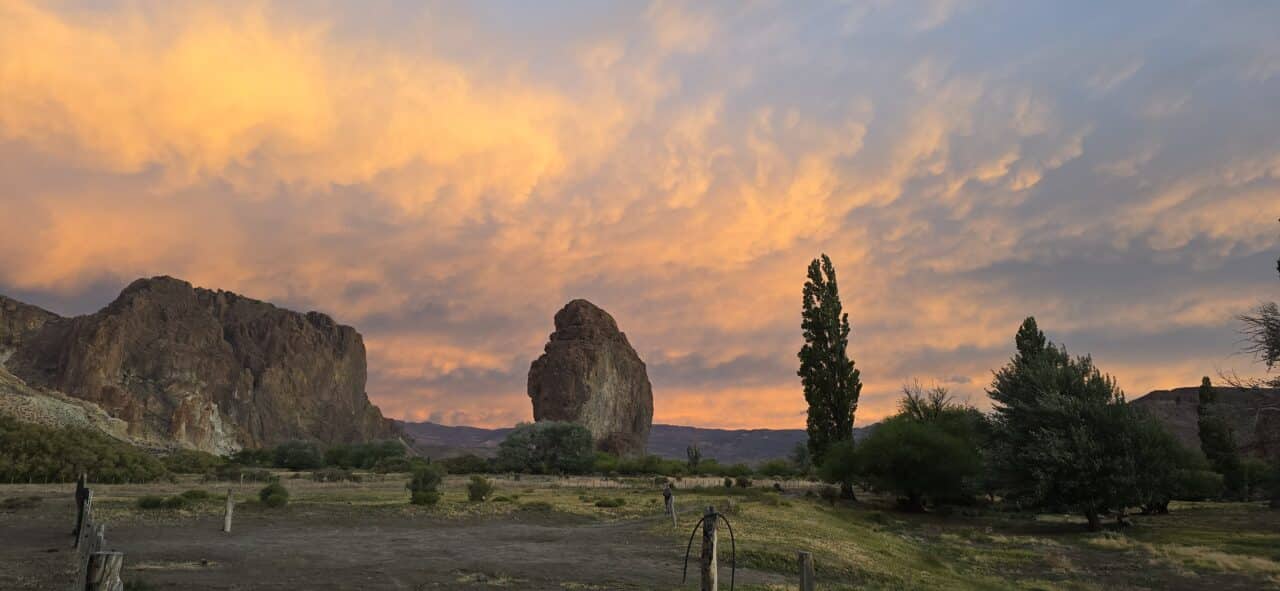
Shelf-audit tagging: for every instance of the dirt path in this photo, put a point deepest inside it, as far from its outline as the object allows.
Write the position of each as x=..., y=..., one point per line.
x=318, y=550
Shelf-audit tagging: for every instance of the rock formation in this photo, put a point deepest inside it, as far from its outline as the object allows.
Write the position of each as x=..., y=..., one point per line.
x=196, y=368
x=590, y=375
x=1254, y=416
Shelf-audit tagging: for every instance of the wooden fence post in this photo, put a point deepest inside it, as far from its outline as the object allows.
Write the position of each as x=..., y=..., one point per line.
x=81, y=490
x=710, y=577
x=104, y=572
x=86, y=517
x=806, y=572
x=226, y=518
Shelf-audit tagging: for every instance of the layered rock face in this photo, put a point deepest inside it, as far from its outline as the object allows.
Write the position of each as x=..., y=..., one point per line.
x=202, y=369
x=1254, y=416
x=590, y=375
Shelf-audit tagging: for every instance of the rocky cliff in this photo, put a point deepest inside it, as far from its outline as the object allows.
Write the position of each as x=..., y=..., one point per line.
x=1254, y=416
x=202, y=369
x=590, y=375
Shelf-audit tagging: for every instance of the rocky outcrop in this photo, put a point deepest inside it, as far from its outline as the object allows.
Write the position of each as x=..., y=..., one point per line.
x=590, y=375
x=202, y=369
x=1254, y=416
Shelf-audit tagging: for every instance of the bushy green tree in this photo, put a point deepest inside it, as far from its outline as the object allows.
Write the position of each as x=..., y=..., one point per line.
x=1158, y=463
x=1059, y=434
x=929, y=451
x=298, y=455
x=191, y=461
x=479, y=488
x=424, y=484
x=831, y=383
x=465, y=464
x=1217, y=441
x=547, y=447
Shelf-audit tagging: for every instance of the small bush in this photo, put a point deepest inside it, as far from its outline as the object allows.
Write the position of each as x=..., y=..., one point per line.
x=150, y=502
x=423, y=484
x=196, y=494
x=238, y=472
x=175, y=502
x=743, y=482
x=465, y=464
x=274, y=495
x=424, y=497
x=536, y=506
x=611, y=503
x=500, y=499
x=479, y=489
x=728, y=482
x=190, y=461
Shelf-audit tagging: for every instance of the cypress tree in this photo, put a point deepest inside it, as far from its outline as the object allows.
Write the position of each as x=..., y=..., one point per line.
x=831, y=383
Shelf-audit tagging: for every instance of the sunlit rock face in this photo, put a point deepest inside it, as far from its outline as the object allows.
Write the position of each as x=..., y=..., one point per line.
x=590, y=375
x=201, y=369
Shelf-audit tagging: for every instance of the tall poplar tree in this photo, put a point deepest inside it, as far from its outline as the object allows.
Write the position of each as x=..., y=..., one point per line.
x=831, y=384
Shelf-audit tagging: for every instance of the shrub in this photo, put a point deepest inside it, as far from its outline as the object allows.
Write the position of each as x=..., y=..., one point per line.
x=465, y=464
x=190, y=461
x=298, y=455
x=728, y=482
x=776, y=469
x=274, y=495
x=742, y=482
x=150, y=502
x=479, y=489
x=423, y=484
x=175, y=502
x=424, y=497
x=536, y=506
x=36, y=453
x=397, y=465
x=1197, y=485
x=363, y=455
x=605, y=463
x=611, y=503
x=501, y=499
x=196, y=494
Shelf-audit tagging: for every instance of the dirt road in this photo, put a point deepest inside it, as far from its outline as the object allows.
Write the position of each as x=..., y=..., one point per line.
x=322, y=549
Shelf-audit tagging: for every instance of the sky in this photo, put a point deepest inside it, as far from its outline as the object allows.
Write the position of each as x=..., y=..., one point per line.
x=444, y=176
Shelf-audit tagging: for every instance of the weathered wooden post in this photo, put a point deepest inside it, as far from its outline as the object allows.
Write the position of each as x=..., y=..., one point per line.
x=86, y=517
x=99, y=537
x=669, y=502
x=226, y=518
x=104, y=572
x=81, y=490
x=806, y=572
x=710, y=580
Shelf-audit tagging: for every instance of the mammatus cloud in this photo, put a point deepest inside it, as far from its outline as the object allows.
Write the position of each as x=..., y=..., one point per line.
x=444, y=178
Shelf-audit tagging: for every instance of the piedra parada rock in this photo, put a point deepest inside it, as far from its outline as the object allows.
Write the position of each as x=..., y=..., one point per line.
x=200, y=369
x=590, y=375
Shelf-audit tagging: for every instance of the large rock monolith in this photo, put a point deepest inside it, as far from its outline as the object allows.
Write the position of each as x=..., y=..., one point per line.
x=590, y=375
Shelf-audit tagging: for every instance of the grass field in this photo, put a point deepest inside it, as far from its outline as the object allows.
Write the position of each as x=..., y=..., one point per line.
x=544, y=533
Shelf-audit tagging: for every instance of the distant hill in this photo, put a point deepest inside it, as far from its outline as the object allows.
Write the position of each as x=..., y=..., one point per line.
x=728, y=446
x=1254, y=415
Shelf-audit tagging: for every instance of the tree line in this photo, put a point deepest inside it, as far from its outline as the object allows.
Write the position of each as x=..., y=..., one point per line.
x=1060, y=436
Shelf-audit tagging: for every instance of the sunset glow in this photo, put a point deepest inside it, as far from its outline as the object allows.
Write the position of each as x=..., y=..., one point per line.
x=445, y=176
